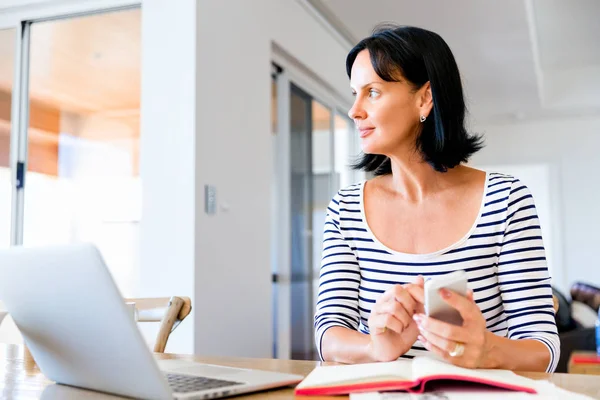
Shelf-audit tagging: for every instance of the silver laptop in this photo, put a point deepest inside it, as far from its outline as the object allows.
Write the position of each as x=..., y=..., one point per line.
x=80, y=332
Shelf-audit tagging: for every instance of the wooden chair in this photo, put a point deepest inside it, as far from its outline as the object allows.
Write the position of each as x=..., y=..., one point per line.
x=168, y=311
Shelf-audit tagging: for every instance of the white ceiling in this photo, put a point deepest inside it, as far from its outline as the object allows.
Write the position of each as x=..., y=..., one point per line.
x=519, y=59
x=568, y=33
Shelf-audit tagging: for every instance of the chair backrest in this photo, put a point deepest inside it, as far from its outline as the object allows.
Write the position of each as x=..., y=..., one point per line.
x=586, y=293
x=169, y=311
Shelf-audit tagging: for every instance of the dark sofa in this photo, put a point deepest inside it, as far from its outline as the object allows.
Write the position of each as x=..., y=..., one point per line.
x=573, y=336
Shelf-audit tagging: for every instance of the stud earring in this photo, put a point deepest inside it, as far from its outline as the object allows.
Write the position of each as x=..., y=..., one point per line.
x=422, y=118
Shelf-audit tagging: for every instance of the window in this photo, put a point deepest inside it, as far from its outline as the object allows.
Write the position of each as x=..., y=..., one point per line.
x=82, y=182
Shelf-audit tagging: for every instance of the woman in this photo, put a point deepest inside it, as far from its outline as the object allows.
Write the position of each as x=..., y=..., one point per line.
x=427, y=214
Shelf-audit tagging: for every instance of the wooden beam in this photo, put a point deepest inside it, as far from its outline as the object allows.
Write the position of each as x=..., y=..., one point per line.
x=41, y=116
x=44, y=127
x=4, y=144
x=46, y=122
x=42, y=154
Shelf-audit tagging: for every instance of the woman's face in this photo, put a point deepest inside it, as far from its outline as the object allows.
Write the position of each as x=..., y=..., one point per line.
x=386, y=114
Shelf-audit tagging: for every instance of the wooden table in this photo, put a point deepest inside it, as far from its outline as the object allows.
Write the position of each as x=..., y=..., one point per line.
x=21, y=379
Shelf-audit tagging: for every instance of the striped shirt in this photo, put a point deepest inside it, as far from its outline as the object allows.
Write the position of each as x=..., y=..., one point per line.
x=503, y=255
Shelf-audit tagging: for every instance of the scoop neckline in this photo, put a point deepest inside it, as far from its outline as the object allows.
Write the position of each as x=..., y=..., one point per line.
x=419, y=256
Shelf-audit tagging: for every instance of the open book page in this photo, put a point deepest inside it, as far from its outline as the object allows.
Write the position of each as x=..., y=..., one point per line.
x=451, y=394
x=424, y=367
x=335, y=375
x=545, y=391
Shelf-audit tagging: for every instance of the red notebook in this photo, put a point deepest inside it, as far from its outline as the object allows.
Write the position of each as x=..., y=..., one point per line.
x=405, y=375
x=586, y=359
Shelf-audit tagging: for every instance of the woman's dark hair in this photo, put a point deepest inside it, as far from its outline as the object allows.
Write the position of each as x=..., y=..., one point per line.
x=420, y=56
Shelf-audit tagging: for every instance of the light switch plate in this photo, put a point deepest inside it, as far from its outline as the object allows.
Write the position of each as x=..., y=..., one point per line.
x=210, y=199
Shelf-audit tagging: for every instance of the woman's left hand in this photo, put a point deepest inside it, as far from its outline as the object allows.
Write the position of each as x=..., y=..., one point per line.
x=465, y=345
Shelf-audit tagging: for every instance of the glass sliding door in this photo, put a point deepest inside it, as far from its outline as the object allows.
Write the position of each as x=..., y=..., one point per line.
x=301, y=194
x=82, y=180
x=324, y=186
x=312, y=186
x=7, y=62
x=274, y=232
x=313, y=148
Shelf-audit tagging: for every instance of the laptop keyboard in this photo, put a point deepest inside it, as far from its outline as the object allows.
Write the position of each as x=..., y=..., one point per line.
x=188, y=383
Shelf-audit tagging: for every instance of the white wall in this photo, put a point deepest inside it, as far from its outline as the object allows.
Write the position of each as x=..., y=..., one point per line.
x=570, y=147
x=167, y=159
x=234, y=153
x=223, y=259
x=21, y=3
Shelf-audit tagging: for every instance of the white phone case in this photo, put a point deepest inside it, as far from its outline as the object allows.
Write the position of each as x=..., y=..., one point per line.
x=435, y=306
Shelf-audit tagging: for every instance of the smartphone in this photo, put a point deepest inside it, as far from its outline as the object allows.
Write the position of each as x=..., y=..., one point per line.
x=435, y=306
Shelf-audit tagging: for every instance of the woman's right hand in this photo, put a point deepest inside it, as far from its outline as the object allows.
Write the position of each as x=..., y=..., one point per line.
x=392, y=328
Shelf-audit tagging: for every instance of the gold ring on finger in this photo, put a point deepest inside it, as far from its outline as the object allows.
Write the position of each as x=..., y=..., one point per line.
x=459, y=350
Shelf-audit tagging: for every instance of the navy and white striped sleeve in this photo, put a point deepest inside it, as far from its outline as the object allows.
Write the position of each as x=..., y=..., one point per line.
x=339, y=278
x=523, y=275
